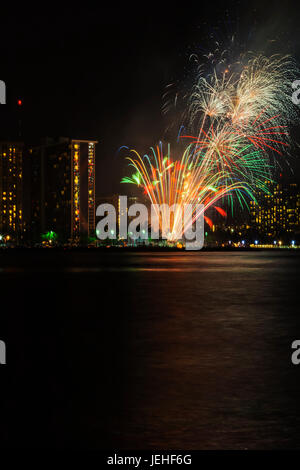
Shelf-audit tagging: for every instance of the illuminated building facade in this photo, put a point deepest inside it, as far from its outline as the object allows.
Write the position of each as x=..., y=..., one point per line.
x=80, y=223
x=91, y=188
x=63, y=189
x=273, y=220
x=50, y=168
x=277, y=212
x=11, y=175
x=75, y=195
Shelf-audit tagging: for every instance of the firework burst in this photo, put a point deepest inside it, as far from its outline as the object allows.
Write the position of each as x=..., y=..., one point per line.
x=189, y=181
x=239, y=117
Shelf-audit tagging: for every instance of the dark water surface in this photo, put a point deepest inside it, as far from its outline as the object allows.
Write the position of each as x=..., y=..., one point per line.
x=150, y=350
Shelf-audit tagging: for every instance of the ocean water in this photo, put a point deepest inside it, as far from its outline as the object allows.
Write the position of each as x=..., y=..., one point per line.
x=157, y=350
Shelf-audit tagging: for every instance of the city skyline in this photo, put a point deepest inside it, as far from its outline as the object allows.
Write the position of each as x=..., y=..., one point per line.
x=53, y=172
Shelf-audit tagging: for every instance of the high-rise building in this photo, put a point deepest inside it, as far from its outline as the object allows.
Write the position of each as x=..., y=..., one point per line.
x=11, y=195
x=63, y=188
x=82, y=192
x=50, y=188
x=278, y=211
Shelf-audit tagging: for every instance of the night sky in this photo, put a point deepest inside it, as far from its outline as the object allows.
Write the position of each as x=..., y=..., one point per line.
x=100, y=71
